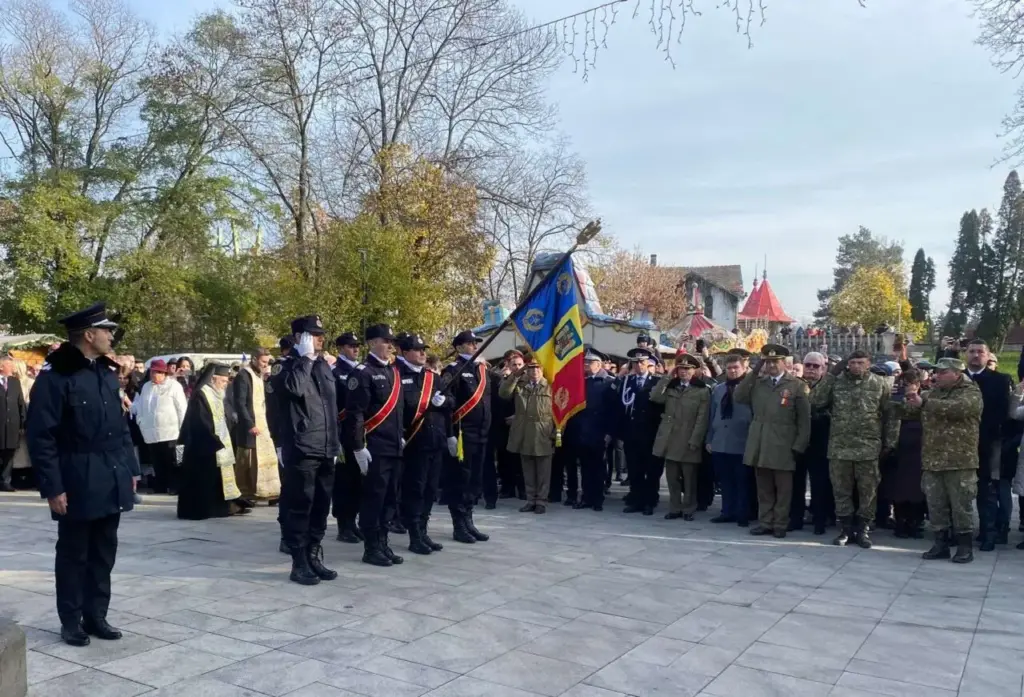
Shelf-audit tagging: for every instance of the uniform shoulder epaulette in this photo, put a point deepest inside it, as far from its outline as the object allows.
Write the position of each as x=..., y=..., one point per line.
x=361, y=366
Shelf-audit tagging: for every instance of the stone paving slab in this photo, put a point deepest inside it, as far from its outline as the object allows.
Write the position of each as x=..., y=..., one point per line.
x=568, y=604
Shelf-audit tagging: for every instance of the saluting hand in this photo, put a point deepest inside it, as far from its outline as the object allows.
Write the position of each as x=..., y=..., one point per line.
x=59, y=504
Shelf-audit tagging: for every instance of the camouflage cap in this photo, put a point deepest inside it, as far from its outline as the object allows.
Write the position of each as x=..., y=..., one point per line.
x=950, y=364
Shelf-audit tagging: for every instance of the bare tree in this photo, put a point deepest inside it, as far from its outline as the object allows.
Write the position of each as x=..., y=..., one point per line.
x=1002, y=33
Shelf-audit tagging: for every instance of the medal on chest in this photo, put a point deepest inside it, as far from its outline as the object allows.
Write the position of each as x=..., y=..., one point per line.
x=785, y=398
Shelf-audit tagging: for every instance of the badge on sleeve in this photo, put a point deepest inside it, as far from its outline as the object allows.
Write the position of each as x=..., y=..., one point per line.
x=353, y=383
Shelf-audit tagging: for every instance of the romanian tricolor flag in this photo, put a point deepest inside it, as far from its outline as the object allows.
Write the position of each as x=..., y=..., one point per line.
x=550, y=324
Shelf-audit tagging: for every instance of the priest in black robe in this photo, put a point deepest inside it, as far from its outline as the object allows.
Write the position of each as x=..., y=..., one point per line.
x=207, y=488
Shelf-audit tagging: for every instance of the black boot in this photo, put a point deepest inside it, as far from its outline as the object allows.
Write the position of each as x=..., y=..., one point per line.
x=988, y=543
x=74, y=635
x=436, y=547
x=471, y=527
x=417, y=545
x=372, y=552
x=396, y=527
x=386, y=548
x=356, y=532
x=1003, y=535
x=283, y=548
x=863, y=538
x=301, y=573
x=347, y=533
x=315, y=555
x=940, y=548
x=101, y=630
x=964, y=554
x=845, y=530
x=460, y=533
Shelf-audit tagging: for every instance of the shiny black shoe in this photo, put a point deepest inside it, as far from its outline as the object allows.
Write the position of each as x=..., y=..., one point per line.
x=723, y=519
x=101, y=629
x=688, y=517
x=579, y=506
x=760, y=531
x=528, y=508
x=569, y=501
x=779, y=534
x=347, y=533
x=598, y=508
x=74, y=636
x=490, y=505
x=672, y=515
x=819, y=529
x=649, y=510
x=988, y=544
x=632, y=509
x=316, y=563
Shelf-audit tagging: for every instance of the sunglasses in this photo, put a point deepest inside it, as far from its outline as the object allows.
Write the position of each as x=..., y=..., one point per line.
x=813, y=365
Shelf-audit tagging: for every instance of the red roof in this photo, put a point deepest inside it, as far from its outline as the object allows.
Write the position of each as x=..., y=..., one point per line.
x=763, y=305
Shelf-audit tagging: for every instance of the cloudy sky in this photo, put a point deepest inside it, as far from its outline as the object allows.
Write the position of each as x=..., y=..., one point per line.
x=839, y=116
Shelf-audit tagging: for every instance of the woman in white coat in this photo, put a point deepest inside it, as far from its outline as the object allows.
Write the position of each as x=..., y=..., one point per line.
x=159, y=411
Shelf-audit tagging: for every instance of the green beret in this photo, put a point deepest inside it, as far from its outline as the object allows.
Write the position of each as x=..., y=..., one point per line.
x=950, y=364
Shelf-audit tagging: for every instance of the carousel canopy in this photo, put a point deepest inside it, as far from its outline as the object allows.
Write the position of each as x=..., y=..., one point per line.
x=763, y=306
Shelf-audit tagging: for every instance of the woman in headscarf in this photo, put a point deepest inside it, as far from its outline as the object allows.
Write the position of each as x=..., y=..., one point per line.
x=208, y=488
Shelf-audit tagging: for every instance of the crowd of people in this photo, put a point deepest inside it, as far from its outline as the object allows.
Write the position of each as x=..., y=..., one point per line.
x=379, y=431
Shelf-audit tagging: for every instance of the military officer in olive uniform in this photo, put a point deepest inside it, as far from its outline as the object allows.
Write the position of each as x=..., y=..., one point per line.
x=348, y=480
x=680, y=439
x=780, y=429
x=468, y=384
x=373, y=423
x=950, y=414
x=81, y=450
x=863, y=428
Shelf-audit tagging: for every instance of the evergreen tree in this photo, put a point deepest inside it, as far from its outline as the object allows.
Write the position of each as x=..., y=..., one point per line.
x=922, y=283
x=964, y=274
x=1003, y=265
x=855, y=251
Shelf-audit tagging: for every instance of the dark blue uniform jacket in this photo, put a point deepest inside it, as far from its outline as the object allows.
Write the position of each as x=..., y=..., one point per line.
x=309, y=414
x=369, y=387
x=436, y=426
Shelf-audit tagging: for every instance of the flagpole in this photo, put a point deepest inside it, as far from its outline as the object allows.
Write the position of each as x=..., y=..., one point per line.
x=585, y=235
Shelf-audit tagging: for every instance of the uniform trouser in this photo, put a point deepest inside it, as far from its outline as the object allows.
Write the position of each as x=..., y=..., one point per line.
x=246, y=471
x=420, y=474
x=306, y=500
x=862, y=474
x=682, y=486
x=381, y=489
x=644, y=474
x=950, y=495
x=798, y=505
x=705, y=482
x=592, y=472
x=348, y=489
x=565, y=471
x=86, y=550
x=510, y=472
x=823, y=502
x=489, y=471
x=774, y=494
x=460, y=480
x=996, y=500
x=6, y=466
x=732, y=476
x=537, y=477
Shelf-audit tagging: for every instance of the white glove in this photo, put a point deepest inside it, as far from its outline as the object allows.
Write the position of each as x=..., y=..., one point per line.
x=453, y=446
x=363, y=459
x=437, y=400
x=402, y=447
x=305, y=345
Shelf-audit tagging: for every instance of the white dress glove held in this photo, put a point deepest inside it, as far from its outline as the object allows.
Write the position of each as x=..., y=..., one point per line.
x=305, y=346
x=363, y=459
x=453, y=446
x=437, y=400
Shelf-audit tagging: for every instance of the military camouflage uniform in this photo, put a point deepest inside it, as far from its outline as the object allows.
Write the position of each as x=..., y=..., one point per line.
x=950, y=420
x=862, y=424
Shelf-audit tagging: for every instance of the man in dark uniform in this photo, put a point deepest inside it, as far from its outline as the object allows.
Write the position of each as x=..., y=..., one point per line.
x=82, y=454
x=274, y=418
x=348, y=480
x=373, y=424
x=588, y=433
x=638, y=423
x=469, y=386
x=309, y=447
x=510, y=469
x=427, y=419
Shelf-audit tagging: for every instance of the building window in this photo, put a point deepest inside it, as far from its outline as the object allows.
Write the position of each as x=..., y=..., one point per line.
x=709, y=303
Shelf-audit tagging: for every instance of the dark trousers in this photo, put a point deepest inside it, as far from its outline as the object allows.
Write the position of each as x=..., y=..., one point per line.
x=995, y=506
x=705, y=484
x=565, y=474
x=461, y=480
x=380, y=493
x=823, y=501
x=306, y=500
x=489, y=473
x=165, y=467
x=6, y=466
x=420, y=474
x=798, y=506
x=733, y=477
x=510, y=469
x=86, y=550
x=347, y=490
x=644, y=473
x=592, y=472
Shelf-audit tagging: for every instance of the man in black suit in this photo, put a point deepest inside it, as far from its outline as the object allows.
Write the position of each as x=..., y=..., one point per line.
x=994, y=498
x=12, y=420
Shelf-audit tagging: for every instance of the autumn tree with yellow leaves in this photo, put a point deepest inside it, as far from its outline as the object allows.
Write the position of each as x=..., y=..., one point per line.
x=871, y=297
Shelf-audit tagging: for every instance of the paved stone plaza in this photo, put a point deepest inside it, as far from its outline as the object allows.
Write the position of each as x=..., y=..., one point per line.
x=572, y=603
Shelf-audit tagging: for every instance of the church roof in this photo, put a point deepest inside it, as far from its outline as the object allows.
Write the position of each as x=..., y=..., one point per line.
x=763, y=305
